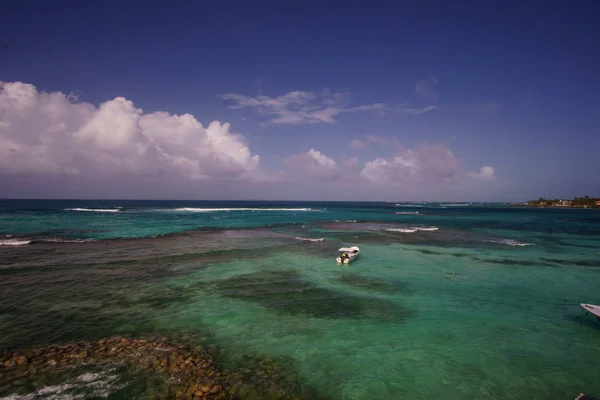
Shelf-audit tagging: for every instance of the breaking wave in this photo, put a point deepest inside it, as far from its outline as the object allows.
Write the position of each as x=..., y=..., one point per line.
x=511, y=242
x=408, y=212
x=94, y=209
x=413, y=229
x=60, y=240
x=310, y=239
x=14, y=242
x=193, y=209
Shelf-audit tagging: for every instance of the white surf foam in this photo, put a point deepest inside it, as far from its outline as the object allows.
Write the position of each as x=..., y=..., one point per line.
x=403, y=230
x=429, y=229
x=100, y=384
x=58, y=240
x=310, y=239
x=413, y=229
x=94, y=209
x=194, y=209
x=14, y=242
x=408, y=212
x=511, y=242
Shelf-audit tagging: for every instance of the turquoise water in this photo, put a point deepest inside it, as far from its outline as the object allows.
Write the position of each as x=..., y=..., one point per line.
x=451, y=301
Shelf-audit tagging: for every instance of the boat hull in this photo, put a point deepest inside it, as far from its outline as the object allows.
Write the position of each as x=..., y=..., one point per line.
x=592, y=309
x=346, y=260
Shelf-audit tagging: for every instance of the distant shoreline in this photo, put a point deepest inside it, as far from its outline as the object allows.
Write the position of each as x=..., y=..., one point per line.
x=558, y=207
x=576, y=203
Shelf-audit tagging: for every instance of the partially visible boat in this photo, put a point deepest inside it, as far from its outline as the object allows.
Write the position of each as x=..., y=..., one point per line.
x=347, y=254
x=592, y=309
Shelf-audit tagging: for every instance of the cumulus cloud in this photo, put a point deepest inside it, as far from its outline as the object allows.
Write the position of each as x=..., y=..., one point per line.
x=299, y=107
x=351, y=163
x=428, y=164
x=427, y=168
x=315, y=163
x=357, y=144
x=51, y=133
x=485, y=174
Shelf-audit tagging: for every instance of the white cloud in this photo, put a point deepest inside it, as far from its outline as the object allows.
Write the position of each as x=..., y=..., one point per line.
x=485, y=174
x=315, y=163
x=299, y=107
x=45, y=133
x=426, y=169
x=426, y=165
x=357, y=144
x=415, y=111
x=351, y=163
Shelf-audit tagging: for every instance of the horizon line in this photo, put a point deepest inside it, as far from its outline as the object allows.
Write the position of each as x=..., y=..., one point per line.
x=263, y=200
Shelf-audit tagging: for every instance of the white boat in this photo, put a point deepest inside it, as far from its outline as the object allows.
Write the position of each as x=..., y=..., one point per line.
x=592, y=309
x=347, y=254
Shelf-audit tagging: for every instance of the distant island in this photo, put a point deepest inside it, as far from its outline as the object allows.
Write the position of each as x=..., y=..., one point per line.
x=577, y=202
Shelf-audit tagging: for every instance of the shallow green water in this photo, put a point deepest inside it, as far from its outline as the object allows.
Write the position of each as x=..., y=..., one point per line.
x=484, y=307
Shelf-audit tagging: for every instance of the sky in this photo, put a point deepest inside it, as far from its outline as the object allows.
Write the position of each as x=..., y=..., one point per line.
x=378, y=100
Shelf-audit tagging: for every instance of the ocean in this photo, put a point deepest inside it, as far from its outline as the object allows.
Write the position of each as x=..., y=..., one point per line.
x=446, y=300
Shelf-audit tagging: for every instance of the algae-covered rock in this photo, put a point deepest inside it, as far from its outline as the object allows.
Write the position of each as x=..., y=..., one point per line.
x=176, y=370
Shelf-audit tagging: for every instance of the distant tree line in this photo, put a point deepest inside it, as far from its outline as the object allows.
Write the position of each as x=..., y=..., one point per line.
x=577, y=202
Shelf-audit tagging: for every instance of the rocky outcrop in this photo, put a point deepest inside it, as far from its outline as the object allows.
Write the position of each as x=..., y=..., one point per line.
x=185, y=372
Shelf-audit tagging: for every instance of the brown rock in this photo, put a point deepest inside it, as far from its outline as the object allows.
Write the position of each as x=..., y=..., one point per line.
x=205, y=389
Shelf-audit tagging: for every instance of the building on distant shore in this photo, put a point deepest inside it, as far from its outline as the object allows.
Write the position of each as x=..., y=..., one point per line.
x=597, y=203
x=564, y=203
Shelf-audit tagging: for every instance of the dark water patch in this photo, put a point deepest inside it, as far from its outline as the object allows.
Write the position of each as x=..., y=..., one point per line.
x=90, y=290
x=459, y=255
x=428, y=252
x=584, y=246
x=51, y=305
x=579, y=262
x=372, y=283
x=508, y=261
x=344, y=225
x=204, y=246
x=287, y=293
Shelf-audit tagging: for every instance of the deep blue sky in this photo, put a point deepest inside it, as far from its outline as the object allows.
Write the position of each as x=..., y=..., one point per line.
x=517, y=82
